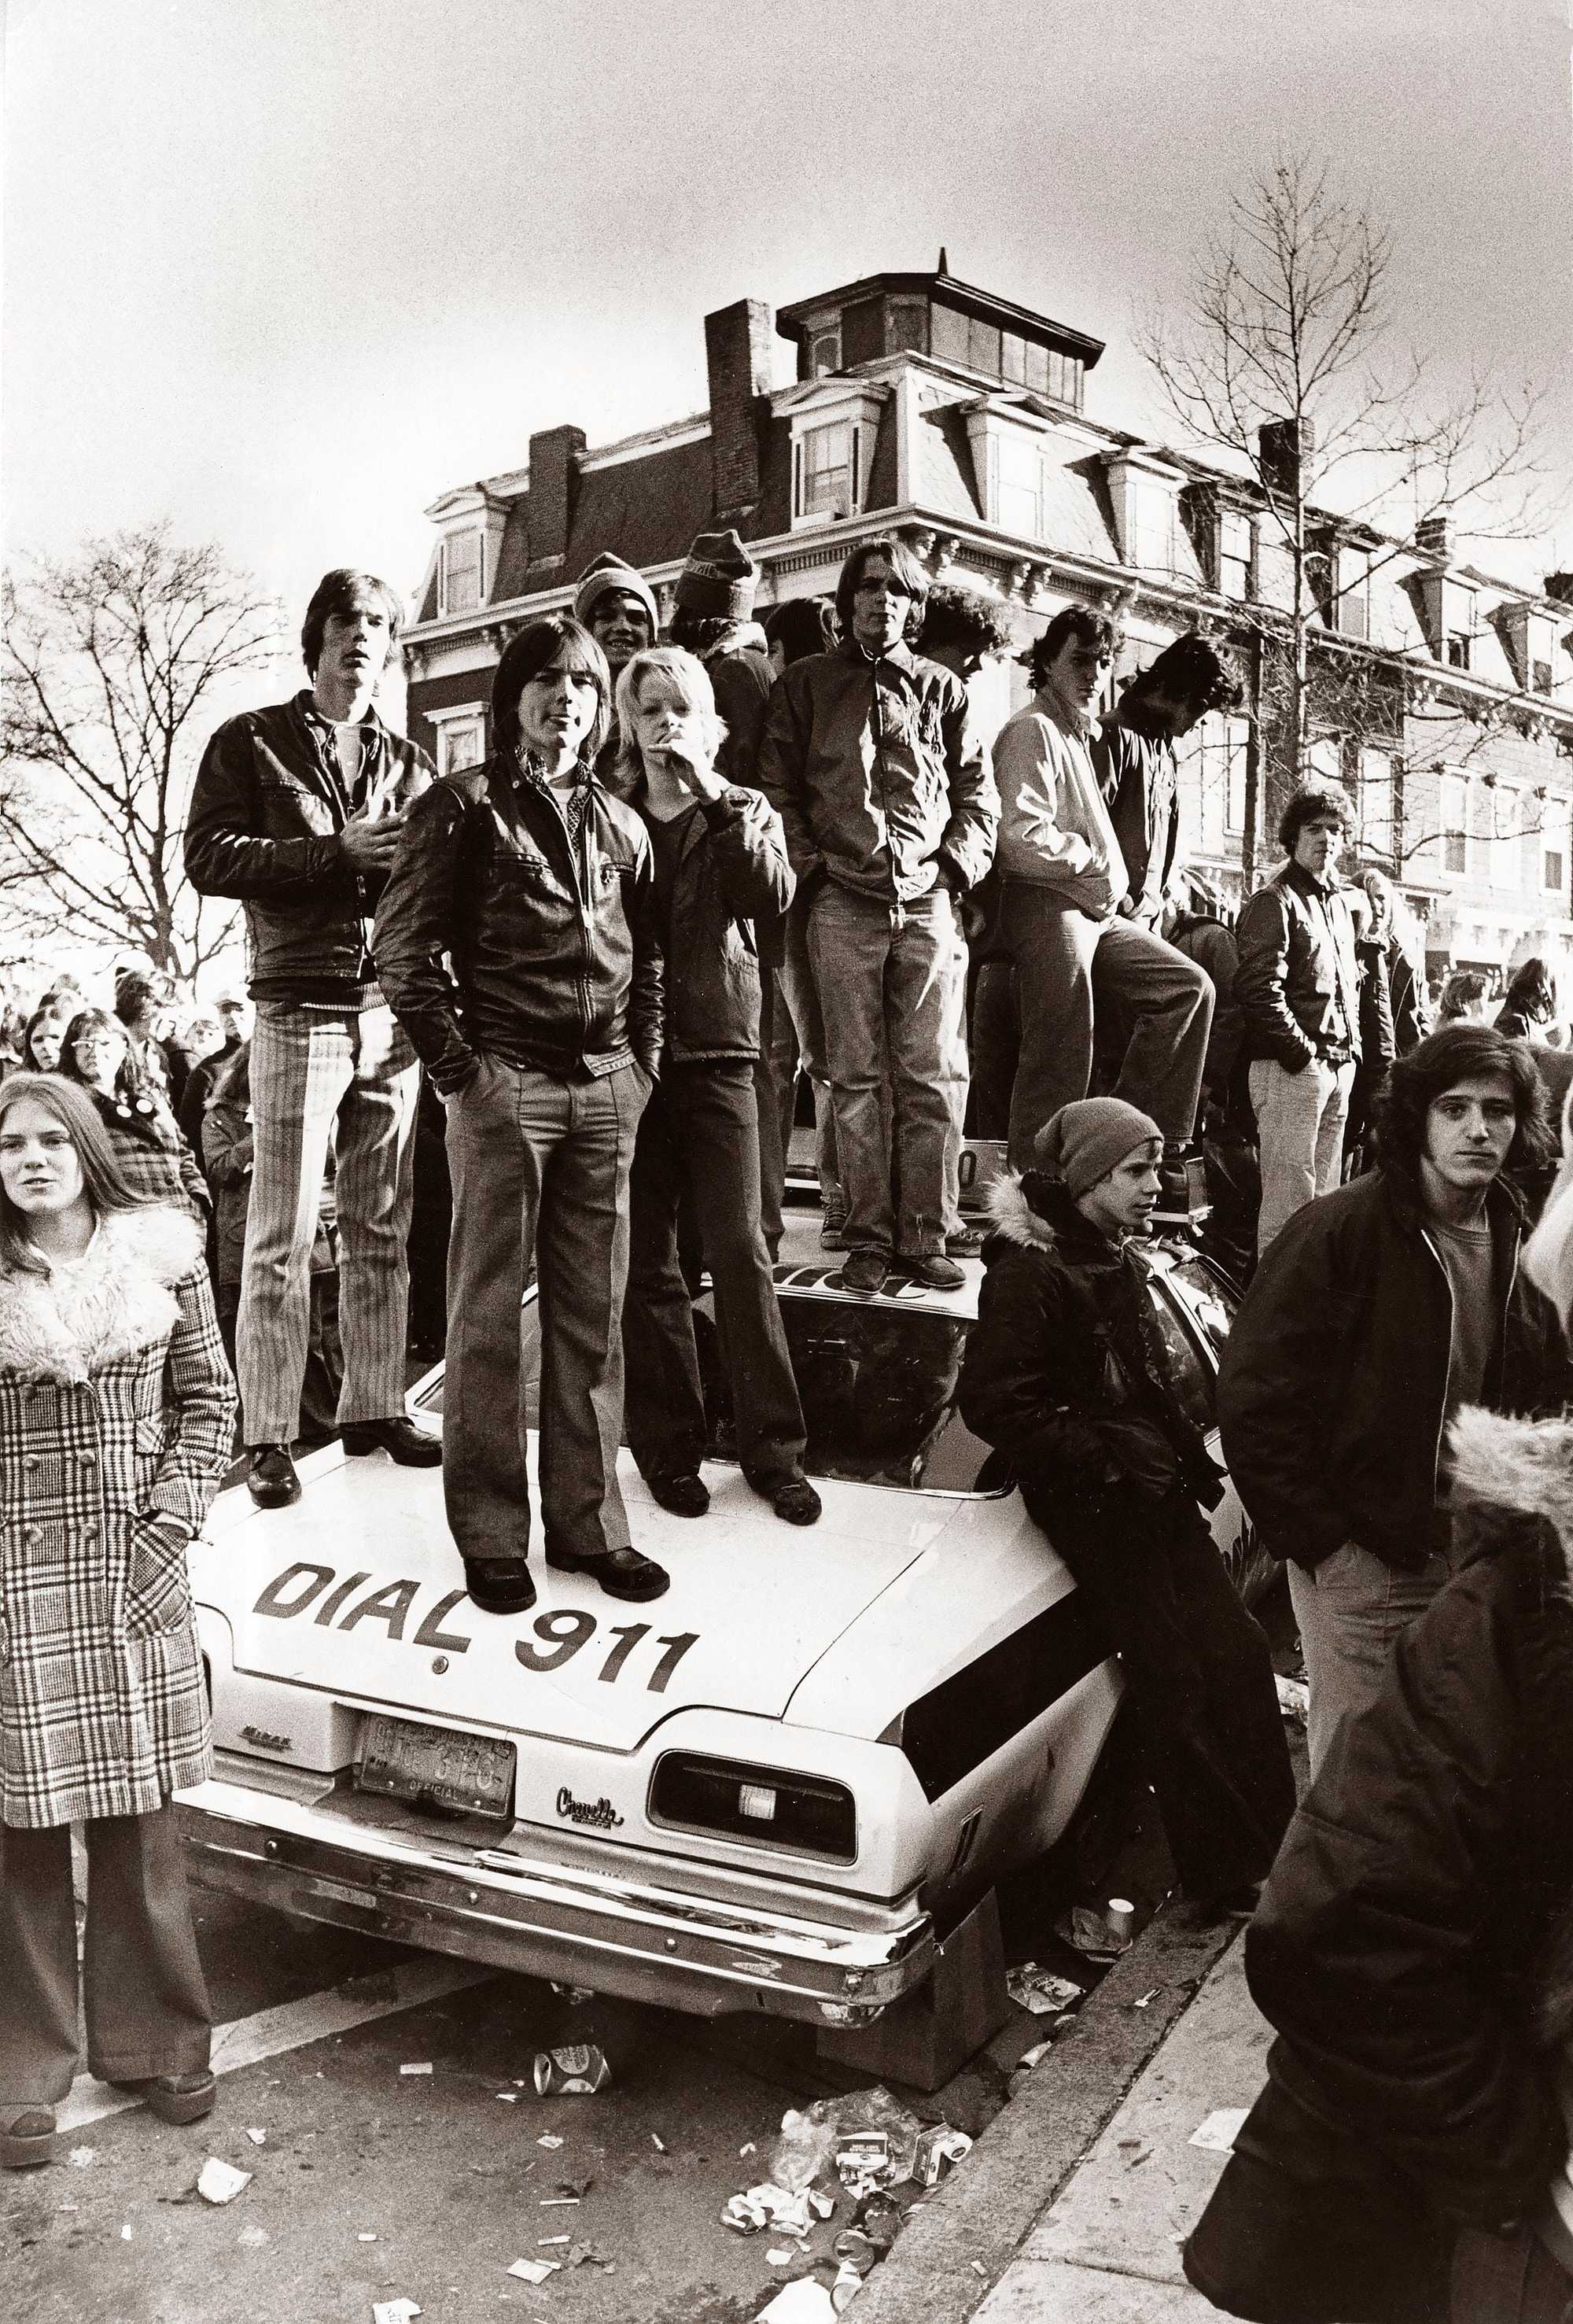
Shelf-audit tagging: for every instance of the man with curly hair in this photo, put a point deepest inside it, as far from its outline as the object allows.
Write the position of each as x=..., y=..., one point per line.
x=1374, y=1314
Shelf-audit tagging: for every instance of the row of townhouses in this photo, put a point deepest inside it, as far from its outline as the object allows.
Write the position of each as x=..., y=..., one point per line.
x=1441, y=698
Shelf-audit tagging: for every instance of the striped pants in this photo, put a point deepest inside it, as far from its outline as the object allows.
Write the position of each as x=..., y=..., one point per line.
x=349, y=1074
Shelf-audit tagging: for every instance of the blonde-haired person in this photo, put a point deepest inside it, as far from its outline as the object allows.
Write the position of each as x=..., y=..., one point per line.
x=117, y=1415
x=720, y=866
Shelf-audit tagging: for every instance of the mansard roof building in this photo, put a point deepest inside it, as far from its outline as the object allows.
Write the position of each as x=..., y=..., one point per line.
x=1441, y=697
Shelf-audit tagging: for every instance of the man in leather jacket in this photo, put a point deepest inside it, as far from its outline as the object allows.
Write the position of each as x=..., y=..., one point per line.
x=296, y=812
x=518, y=939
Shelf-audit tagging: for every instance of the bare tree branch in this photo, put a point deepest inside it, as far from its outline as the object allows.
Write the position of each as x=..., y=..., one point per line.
x=112, y=664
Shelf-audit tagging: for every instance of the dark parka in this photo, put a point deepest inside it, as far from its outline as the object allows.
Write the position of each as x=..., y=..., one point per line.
x=733, y=872
x=1333, y=1386
x=1065, y=1373
x=1414, y=1947
x=114, y=1435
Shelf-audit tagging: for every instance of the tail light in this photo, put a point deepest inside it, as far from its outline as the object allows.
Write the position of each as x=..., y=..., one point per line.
x=767, y=1805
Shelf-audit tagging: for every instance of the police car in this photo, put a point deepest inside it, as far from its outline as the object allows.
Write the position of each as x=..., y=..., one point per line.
x=758, y=1793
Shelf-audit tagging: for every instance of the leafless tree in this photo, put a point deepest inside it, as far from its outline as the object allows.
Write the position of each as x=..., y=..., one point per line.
x=1285, y=328
x=114, y=666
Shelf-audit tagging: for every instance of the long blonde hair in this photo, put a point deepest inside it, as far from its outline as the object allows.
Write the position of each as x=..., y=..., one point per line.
x=692, y=680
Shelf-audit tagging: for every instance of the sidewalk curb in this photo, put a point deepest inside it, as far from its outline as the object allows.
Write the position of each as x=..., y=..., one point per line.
x=985, y=2210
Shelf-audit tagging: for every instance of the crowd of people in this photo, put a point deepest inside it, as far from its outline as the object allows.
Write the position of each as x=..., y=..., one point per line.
x=691, y=871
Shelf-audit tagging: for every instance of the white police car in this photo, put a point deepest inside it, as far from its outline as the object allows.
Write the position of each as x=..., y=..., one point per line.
x=754, y=1793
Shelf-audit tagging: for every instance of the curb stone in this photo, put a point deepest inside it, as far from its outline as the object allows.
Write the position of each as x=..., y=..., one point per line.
x=984, y=2211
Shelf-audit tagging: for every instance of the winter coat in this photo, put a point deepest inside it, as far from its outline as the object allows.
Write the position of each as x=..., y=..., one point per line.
x=1412, y=1011
x=1378, y=1046
x=266, y=814
x=1333, y=1386
x=496, y=936
x=732, y=870
x=154, y=1159
x=1141, y=784
x=116, y=1424
x=877, y=774
x=1297, y=981
x=1055, y=829
x=1203, y=938
x=1066, y=1373
x=1414, y=1946
x=739, y=668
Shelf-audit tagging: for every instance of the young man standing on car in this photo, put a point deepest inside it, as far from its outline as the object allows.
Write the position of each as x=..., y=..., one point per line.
x=871, y=760
x=1298, y=984
x=297, y=811
x=1067, y=1374
x=1374, y=1314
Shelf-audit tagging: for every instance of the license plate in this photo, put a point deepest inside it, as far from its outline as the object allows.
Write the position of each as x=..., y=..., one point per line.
x=433, y=1767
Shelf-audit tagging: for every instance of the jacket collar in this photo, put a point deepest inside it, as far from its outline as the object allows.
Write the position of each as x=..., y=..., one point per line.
x=1067, y=715
x=1295, y=875
x=901, y=654
x=1035, y=1212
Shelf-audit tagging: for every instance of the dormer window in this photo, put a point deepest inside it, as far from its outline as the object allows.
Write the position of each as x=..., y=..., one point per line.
x=1237, y=548
x=1456, y=650
x=825, y=353
x=828, y=479
x=463, y=583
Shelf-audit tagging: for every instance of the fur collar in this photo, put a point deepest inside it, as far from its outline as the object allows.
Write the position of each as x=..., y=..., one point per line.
x=1035, y=1213
x=1522, y=1467
x=117, y=1301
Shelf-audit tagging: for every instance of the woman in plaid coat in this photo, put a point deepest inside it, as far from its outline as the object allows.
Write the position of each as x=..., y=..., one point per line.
x=117, y=1413
x=154, y=1159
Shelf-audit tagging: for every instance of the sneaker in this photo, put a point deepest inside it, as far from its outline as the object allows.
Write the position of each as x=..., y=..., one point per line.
x=686, y=1497
x=966, y=1242
x=27, y=2138
x=934, y=1270
x=865, y=1270
x=399, y=1438
x=271, y=1478
x=832, y=1233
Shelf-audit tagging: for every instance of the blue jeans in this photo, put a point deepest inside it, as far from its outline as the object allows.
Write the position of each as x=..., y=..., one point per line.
x=892, y=981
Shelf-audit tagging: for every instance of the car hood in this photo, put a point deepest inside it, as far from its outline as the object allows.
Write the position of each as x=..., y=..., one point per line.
x=358, y=1590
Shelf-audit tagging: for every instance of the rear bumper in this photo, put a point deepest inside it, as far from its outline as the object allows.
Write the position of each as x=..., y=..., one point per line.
x=524, y=1912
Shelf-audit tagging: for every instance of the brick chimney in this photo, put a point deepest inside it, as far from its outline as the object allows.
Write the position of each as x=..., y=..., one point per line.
x=1282, y=453
x=1434, y=534
x=552, y=481
x=1560, y=586
x=737, y=356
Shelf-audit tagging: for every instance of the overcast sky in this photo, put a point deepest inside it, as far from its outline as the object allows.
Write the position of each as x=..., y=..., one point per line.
x=286, y=270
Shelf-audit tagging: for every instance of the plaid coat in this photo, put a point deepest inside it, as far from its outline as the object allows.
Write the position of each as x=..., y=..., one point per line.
x=117, y=1415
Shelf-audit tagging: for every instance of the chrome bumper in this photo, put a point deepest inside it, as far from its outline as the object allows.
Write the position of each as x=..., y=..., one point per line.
x=541, y=1919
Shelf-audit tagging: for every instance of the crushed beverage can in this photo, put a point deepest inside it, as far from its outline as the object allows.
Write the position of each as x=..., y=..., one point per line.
x=940, y=2149
x=854, y=2249
x=845, y=2289
x=577, y=2071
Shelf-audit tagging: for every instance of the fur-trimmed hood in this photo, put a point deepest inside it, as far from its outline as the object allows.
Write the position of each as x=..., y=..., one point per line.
x=1521, y=1468
x=118, y=1299
x=1033, y=1212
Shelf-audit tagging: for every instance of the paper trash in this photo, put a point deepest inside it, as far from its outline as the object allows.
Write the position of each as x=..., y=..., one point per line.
x=1041, y=1990
x=394, y=2311
x=533, y=2271
x=1218, y=2132
x=221, y=2182
x=803, y=2302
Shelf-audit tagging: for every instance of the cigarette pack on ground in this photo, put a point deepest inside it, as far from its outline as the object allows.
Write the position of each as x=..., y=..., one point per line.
x=221, y=2182
x=939, y=2150
x=535, y=2270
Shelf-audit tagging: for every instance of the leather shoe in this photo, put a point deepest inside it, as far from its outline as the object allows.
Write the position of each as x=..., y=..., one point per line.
x=934, y=1270
x=686, y=1497
x=865, y=1270
x=399, y=1438
x=793, y=1497
x=620, y=1573
x=499, y=1585
x=26, y=2138
x=271, y=1478
x=176, y=2097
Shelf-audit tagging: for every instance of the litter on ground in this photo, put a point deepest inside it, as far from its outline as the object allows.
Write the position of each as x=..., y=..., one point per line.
x=394, y=2311
x=82, y=2156
x=534, y=2271
x=424, y=2066
x=1042, y=1990
x=1221, y=2128
x=221, y=2182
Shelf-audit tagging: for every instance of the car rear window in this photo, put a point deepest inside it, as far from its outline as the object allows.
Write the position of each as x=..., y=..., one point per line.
x=877, y=1389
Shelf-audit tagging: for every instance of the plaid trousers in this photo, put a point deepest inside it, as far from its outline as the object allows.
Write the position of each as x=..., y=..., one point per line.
x=350, y=1074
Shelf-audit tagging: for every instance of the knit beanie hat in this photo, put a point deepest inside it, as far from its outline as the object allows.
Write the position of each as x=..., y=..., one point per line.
x=720, y=578
x=1085, y=1141
x=609, y=572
